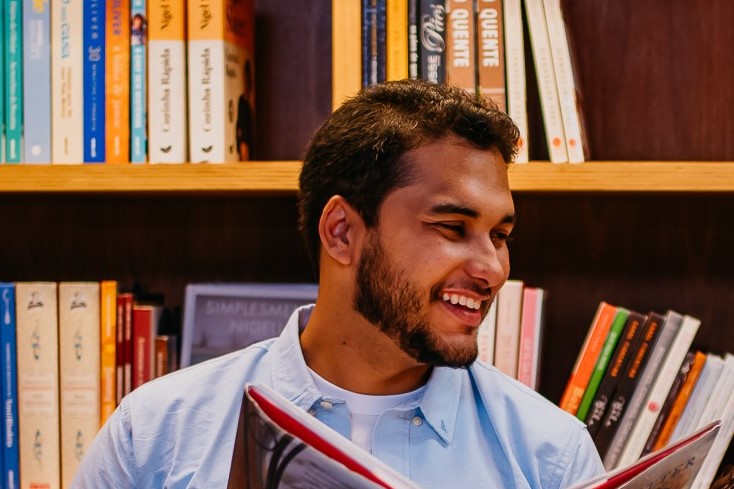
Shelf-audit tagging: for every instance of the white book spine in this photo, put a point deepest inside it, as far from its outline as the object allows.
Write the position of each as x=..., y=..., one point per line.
x=167, y=101
x=509, y=307
x=485, y=335
x=720, y=394
x=707, y=472
x=78, y=372
x=515, y=73
x=38, y=384
x=659, y=391
x=206, y=101
x=67, y=72
x=563, y=69
x=549, y=102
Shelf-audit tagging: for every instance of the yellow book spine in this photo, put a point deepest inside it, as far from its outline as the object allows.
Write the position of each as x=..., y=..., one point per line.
x=397, y=39
x=346, y=54
x=117, y=103
x=107, y=349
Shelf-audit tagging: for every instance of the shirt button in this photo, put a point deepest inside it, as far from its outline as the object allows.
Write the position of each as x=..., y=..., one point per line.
x=326, y=405
x=312, y=412
x=417, y=420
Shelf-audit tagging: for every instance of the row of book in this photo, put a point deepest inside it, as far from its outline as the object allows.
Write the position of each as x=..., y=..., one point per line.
x=127, y=81
x=71, y=351
x=477, y=45
x=510, y=336
x=639, y=385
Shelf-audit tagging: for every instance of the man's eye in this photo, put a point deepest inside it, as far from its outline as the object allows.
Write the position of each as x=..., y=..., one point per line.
x=501, y=236
x=453, y=228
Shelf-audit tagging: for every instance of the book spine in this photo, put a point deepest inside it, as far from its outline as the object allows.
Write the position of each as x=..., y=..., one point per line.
x=138, y=122
x=346, y=17
x=491, y=52
x=396, y=34
x=681, y=400
x=79, y=355
x=724, y=385
x=509, y=307
x=413, y=56
x=567, y=89
x=432, y=40
x=549, y=102
x=3, y=146
x=239, y=67
x=617, y=366
x=145, y=330
x=9, y=383
x=36, y=81
x=374, y=48
x=38, y=384
x=586, y=359
x=120, y=349
x=108, y=349
x=127, y=305
x=206, y=80
x=13, y=32
x=626, y=423
x=461, y=62
x=167, y=82
x=666, y=409
x=718, y=450
x=486, y=334
x=531, y=323
x=515, y=74
x=627, y=383
x=67, y=122
x=94, y=81
x=659, y=390
x=699, y=397
x=117, y=80
x=602, y=361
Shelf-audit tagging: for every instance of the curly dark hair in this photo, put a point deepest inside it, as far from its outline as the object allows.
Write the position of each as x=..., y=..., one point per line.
x=357, y=153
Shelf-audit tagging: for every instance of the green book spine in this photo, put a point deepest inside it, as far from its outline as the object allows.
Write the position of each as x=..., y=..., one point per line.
x=600, y=367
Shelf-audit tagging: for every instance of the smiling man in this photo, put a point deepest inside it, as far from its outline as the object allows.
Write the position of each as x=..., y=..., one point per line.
x=406, y=209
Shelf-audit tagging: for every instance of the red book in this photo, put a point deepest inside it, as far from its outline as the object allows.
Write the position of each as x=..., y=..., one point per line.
x=145, y=329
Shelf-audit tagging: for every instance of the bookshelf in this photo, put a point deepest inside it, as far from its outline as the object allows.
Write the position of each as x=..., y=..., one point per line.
x=645, y=225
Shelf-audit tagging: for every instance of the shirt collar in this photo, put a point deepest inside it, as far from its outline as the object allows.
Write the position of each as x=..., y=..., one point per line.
x=439, y=405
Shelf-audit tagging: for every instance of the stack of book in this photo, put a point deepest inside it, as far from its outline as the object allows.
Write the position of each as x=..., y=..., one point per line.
x=71, y=351
x=639, y=386
x=510, y=334
x=473, y=44
x=114, y=82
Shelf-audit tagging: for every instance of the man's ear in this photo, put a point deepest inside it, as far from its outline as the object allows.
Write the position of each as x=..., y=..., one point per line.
x=340, y=228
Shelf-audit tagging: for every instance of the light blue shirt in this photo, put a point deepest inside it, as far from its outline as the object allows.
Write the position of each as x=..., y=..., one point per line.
x=473, y=428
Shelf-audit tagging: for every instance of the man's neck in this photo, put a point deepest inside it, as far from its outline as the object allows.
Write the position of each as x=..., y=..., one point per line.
x=345, y=349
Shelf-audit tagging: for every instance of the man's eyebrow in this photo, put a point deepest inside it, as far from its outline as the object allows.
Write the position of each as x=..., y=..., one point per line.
x=449, y=208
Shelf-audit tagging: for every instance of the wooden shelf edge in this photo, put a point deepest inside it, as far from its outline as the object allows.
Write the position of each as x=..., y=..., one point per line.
x=282, y=177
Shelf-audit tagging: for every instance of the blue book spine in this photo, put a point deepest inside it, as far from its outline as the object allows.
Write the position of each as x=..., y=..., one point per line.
x=36, y=81
x=94, y=81
x=13, y=18
x=138, y=126
x=10, y=450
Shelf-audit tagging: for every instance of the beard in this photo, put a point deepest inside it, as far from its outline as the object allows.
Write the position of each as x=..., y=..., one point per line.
x=390, y=301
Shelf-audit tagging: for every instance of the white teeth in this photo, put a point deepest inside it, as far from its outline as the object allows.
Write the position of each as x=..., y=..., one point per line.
x=462, y=300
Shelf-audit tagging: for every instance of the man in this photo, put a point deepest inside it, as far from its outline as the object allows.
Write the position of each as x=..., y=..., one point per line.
x=406, y=210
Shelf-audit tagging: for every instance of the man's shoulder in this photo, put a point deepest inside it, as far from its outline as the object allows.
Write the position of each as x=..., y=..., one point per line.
x=504, y=396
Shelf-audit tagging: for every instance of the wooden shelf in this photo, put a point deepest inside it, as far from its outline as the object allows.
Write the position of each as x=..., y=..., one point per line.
x=274, y=177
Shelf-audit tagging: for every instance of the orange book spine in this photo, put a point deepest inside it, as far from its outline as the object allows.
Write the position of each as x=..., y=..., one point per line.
x=117, y=104
x=460, y=50
x=107, y=349
x=491, y=52
x=681, y=400
x=586, y=359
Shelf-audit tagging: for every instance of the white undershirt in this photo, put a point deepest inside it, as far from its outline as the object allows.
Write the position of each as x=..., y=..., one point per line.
x=364, y=410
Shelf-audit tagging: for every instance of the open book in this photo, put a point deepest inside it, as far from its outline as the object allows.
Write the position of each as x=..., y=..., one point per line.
x=278, y=445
